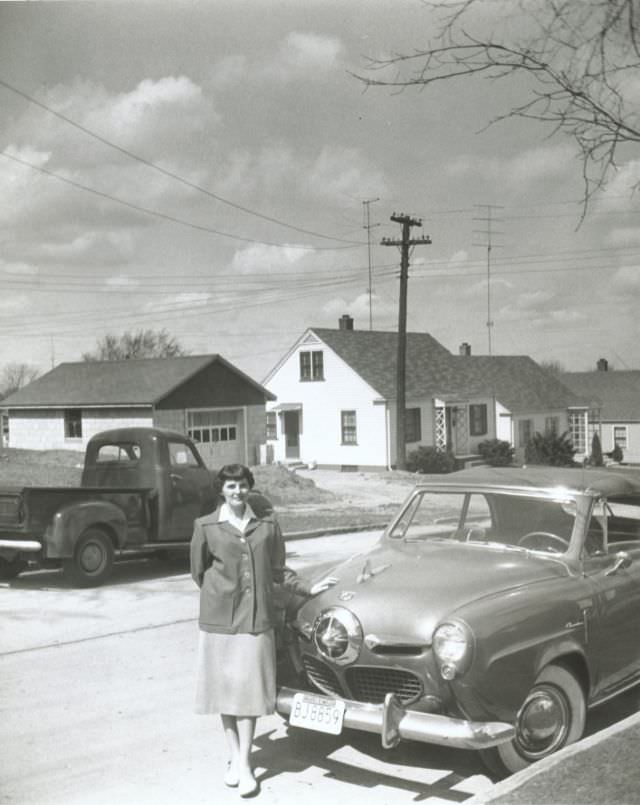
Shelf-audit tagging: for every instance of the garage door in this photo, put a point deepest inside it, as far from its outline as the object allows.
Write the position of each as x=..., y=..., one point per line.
x=219, y=435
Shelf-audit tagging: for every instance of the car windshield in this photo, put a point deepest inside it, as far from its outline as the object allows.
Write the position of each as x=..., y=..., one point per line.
x=514, y=520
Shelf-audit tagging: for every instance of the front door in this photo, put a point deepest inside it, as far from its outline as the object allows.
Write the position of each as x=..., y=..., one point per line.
x=292, y=434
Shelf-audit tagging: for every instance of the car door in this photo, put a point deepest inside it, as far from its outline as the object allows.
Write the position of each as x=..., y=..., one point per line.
x=614, y=620
x=189, y=483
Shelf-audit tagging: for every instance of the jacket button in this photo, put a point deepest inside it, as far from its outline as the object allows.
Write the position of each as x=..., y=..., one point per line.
x=245, y=555
x=246, y=574
x=243, y=539
x=248, y=590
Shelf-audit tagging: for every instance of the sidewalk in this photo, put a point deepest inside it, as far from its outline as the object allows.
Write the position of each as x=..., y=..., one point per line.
x=602, y=769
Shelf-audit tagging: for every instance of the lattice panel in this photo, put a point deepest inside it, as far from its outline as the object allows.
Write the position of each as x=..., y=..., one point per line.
x=440, y=427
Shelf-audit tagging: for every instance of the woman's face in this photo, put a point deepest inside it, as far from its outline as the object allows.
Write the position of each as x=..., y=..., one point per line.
x=235, y=493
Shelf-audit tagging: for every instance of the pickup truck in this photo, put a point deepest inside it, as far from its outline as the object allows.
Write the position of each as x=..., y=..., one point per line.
x=140, y=492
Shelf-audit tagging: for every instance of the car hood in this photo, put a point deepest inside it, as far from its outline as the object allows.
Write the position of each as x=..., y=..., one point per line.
x=407, y=589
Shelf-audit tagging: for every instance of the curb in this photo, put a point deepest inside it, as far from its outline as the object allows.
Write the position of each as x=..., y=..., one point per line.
x=332, y=531
x=519, y=779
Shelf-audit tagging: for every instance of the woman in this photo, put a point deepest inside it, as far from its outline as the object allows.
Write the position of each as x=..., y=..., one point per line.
x=236, y=559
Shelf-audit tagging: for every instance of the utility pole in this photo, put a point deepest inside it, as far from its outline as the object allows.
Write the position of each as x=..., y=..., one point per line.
x=404, y=243
x=368, y=226
x=489, y=232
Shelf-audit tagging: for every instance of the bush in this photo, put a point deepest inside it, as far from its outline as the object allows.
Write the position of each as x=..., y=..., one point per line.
x=616, y=454
x=551, y=449
x=596, y=459
x=496, y=453
x=430, y=460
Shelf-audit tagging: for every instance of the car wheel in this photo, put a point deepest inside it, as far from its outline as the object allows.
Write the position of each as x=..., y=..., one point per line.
x=92, y=559
x=11, y=568
x=553, y=715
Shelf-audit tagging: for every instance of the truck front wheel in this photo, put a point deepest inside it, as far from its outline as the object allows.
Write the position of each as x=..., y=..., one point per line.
x=92, y=559
x=11, y=568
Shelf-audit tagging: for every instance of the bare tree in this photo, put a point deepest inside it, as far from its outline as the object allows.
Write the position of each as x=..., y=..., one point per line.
x=553, y=367
x=141, y=344
x=14, y=376
x=582, y=58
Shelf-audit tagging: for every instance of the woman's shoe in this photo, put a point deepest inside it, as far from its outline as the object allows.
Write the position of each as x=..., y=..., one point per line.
x=247, y=785
x=231, y=778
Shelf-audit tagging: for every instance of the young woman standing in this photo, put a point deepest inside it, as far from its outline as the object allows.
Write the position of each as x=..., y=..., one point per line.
x=236, y=559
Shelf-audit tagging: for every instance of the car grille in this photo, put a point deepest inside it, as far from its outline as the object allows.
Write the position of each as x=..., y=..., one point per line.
x=373, y=684
x=321, y=676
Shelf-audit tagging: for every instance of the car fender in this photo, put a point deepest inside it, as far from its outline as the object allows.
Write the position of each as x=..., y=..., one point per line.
x=513, y=643
x=69, y=522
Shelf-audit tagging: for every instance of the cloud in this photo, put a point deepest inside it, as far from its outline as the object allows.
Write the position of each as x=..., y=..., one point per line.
x=532, y=165
x=627, y=279
x=358, y=308
x=305, y=54
x=342, y=175
x=259, y=258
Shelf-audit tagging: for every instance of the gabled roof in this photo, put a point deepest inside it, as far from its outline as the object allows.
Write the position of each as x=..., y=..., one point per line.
x=518, y=382
x=616, y=393
x=142, y=381
x=373, y=355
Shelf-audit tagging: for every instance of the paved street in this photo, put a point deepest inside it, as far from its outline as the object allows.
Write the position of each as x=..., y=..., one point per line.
x=96, y=698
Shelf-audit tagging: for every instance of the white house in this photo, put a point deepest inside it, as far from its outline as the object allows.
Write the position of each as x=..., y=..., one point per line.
x=614, y=411
x=336, y=391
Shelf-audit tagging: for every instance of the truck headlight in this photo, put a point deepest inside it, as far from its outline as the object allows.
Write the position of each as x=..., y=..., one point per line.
x=453, y=648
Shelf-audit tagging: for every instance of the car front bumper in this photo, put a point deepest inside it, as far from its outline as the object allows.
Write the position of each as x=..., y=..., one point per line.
x=27, y=545
x=393, y=722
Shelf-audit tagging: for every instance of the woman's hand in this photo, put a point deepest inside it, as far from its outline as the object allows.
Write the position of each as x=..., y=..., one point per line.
x=322, y=585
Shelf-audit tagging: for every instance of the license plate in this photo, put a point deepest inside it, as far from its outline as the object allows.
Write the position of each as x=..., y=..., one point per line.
x=318, y=713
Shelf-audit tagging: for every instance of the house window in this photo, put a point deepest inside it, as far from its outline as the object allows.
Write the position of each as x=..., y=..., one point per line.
x=478, y=419
x=272, y=430
x=620, y=436
x=412, y=425
x=73, y=423
x=551, y=425
x=578, y=430
x=525, y=430
x=312, y=365
x=348, y=426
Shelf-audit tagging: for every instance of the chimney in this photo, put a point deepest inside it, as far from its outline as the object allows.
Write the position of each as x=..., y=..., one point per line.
x=465, y=348
x=603, y=365
x=345, y=322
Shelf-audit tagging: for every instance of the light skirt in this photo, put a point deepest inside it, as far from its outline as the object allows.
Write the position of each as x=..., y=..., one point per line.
x=236, y=674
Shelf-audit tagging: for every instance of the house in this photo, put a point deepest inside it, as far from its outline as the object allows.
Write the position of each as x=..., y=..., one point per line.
x=203, y=396
x=336, y=392
x=614, y=410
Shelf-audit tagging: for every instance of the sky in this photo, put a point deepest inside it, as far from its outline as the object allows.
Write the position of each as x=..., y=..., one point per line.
x=206, y=172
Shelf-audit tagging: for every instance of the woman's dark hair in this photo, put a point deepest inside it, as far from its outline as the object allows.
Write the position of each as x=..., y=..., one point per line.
x=235, y=472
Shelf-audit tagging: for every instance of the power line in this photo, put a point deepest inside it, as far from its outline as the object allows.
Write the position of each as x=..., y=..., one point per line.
x=368, y=226
x=164, y=171
x=164, y=216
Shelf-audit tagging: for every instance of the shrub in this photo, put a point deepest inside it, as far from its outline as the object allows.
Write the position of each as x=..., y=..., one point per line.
x=496, y=453
x=430, y=460
x=596, y=452
x=555, y=450
x=616, y=454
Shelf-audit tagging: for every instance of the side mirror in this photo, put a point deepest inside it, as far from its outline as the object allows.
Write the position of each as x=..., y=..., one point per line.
x=622, y=561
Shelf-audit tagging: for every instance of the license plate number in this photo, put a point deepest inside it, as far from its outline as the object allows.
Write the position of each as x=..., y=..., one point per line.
x=318, y=713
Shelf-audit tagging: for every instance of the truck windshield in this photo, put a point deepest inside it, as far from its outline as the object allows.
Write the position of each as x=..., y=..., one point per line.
x=511, y=520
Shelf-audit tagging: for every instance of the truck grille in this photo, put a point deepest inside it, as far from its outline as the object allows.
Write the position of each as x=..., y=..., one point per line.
x=321, y=676
x=373, y=684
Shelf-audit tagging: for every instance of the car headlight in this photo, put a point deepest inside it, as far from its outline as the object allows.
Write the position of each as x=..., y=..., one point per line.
x=453, y=648
x=337, y=635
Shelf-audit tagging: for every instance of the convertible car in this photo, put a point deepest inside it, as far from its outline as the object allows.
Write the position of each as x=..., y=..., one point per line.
x=498, y=607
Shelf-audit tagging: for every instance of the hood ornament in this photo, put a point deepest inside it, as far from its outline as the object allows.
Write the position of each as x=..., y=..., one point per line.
x=368, y=572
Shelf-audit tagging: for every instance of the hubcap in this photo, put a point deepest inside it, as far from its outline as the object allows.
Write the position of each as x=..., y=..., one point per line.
x=543, y=722
x=92, y=557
